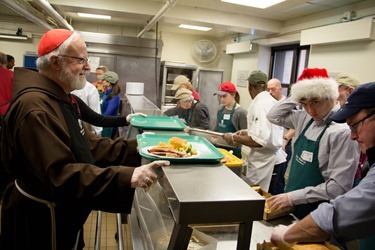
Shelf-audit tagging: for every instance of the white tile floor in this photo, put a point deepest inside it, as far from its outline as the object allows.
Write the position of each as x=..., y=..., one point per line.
x=108, y=232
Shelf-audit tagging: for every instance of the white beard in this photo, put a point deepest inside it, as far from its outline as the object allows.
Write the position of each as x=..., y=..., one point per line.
x=75, y=82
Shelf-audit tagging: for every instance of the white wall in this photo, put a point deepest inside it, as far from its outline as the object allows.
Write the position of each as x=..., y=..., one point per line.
x=244, y=61
x=259, y=60
x=19, y=48
x=355, y=58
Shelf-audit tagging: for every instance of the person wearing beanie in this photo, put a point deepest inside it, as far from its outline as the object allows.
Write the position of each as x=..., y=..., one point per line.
x=231, y=117
x=347, y=84
x=182, y=81
x=59, y=172
x=194, y=114
x=110, y=100
x=324, y=158
x=349, y=216
x=264, y=138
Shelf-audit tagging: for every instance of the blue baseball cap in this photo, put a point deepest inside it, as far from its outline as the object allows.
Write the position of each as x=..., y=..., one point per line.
x=362, y=97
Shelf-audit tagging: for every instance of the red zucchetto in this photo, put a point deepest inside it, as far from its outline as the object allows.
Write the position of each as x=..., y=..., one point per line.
x=52, y=39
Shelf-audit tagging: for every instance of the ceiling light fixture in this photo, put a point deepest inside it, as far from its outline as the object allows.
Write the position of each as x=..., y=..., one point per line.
x=94, y=16
x=10, y=36
x=193, y=27
x=255, y=3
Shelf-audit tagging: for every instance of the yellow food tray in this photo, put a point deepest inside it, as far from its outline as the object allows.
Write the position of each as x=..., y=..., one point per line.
x=233, y=161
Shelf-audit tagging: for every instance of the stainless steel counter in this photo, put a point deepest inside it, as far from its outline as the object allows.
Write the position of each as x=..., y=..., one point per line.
x=140, y=103
x=195, y=192
x=191, y=196
x=204, y=194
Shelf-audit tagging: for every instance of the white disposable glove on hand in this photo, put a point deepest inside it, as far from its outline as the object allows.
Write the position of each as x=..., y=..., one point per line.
x=144, y=176
x=280, y=201
x=278, y=235
x=228, y=137
x=128, y=117
x=187, y=129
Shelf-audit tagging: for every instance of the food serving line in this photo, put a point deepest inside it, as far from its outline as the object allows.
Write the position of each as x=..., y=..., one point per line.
x=198, y=196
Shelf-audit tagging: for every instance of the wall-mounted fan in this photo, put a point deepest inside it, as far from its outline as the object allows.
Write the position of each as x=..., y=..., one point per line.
x=204, y=51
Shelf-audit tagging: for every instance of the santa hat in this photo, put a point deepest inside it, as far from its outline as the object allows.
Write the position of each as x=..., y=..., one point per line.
x=52, y=39
x=309, y=73
x=314, y=83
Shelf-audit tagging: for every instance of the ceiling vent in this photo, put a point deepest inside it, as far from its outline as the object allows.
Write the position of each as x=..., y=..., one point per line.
x=342, y=32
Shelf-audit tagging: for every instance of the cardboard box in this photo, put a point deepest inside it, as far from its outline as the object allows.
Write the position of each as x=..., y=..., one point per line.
x=275, y=213
x=197, y=241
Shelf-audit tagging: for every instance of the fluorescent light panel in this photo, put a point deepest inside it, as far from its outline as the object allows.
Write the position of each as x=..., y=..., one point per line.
x=261, y=4
x=13, y=37
x=93, y=16
x=193, y=27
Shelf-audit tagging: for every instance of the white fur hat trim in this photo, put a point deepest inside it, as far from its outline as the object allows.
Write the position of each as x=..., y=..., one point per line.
x=321, y=88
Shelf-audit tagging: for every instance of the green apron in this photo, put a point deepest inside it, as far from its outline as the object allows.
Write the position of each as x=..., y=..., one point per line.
x=367, y=243
x=304, y=171
x=226, y=126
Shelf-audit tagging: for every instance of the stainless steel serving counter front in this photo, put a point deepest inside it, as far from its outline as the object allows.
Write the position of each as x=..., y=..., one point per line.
x=204, y=194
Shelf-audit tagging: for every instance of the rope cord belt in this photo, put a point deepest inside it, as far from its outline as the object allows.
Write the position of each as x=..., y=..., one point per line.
x=51, y=206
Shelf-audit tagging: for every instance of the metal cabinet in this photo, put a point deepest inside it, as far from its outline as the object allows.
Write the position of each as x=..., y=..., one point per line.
x=169, y=71
x=209, y=81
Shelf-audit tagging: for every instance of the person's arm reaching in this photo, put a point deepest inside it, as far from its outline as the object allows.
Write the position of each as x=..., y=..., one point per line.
x=90, y=116
x=305, y=230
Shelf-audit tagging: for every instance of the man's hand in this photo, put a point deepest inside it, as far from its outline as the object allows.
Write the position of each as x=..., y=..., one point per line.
x=128, y=117
x=280, y=201
x=228, y=137
x=144, y=176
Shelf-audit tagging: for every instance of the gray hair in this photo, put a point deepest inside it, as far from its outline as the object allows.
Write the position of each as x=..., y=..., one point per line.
x=44, y=61
x=102, y=67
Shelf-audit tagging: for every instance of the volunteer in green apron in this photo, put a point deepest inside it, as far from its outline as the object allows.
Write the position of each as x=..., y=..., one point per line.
x=305, y=169
x=349, y=216
x=231, y=117
x=324, y=158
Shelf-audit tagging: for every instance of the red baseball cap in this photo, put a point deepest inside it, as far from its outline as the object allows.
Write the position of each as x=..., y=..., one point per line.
x=226, y=87
x=52, y=39
x=309, y=73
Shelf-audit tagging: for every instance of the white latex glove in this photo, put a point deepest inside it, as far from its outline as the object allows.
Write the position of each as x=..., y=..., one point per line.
x=144, y=176
x=187, y=129
x=128, y=117
x=228, y=137
x=280, y=201
x=278, y=234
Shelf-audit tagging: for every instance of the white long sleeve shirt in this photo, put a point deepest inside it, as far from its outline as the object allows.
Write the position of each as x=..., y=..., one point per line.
x=89, y=94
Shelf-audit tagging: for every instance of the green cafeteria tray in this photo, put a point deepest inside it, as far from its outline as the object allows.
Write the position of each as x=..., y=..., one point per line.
x=206, y=151
x=157, y=122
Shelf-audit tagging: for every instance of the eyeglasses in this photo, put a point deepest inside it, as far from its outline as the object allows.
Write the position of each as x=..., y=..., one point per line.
x=82, y=60
x=354, y=126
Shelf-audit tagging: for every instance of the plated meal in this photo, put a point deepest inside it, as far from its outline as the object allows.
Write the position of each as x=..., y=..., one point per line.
x=175, y=148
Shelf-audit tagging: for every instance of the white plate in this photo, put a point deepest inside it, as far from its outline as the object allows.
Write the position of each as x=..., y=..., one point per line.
x=145, y=151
